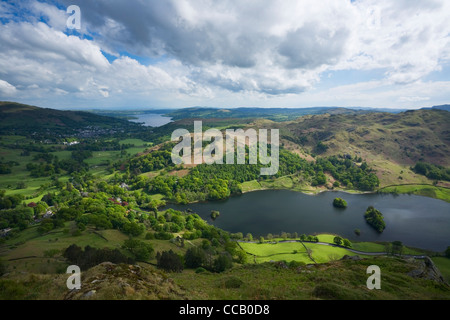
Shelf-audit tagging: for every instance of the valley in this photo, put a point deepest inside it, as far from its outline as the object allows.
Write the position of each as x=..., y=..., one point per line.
x=116, y=189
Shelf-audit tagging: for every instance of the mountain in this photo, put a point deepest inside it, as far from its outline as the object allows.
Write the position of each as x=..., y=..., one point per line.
x=389, y=143
x=445, y=107
x=274, y=114
x=405, y=138
x=22, y=119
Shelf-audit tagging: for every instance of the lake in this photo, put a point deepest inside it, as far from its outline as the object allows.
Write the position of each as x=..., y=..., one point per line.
x=415, y=220
x=151, y=119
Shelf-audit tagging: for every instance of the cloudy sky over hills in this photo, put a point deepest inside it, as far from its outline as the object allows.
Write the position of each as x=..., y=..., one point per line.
x=181, y=53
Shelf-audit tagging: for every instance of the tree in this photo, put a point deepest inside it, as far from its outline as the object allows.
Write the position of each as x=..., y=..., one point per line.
x=249, y=237
x=346, y=243
x=141, y=250
x=170, y=261
x=337, y=240
x=195, y=257
x=72, y=253
x=134, y=229
x=223, y=262
x=397, y=248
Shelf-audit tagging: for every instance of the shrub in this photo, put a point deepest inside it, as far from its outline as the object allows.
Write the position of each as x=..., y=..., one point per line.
x=200, y=270
x=232, y=282
x=295, y=264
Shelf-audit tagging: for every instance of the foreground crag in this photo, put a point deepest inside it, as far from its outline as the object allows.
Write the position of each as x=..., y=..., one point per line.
x=111, y=281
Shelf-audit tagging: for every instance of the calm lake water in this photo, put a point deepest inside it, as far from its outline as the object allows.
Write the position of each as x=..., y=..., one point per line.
x=416, y=221
x=151, y=119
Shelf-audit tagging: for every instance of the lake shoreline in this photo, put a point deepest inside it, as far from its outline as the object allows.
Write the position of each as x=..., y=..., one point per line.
x=277, y=210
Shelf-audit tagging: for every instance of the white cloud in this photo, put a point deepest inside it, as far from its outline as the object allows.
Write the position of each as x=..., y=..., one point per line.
x=7, y=89
x=205, y=50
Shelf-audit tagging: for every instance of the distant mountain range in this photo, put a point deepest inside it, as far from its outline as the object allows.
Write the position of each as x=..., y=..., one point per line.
x=445, y=107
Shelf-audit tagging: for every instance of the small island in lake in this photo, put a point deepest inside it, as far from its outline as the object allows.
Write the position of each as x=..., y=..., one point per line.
x=340, y=203
x=215, y=214
x=375, y=219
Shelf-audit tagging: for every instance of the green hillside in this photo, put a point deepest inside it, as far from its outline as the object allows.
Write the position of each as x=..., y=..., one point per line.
x=21, y=119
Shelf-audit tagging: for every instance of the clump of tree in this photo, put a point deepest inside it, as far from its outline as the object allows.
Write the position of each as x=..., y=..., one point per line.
x=339, y=203
x=9, y=202
x=309, y=238
x=90, y=257
x=375, y=218
x=342, y=242
x=431, y=171
x=141, y=250
x=169, y=261
x=195, y=257
x=19, y=217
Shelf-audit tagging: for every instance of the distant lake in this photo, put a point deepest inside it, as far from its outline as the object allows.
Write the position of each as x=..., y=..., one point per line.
x=416, y=221
x=151, y=119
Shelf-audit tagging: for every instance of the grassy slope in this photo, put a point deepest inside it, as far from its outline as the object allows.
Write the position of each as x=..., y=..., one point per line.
x=16, y=117
x=444, y=267
x=390, y=143
x=335, y=280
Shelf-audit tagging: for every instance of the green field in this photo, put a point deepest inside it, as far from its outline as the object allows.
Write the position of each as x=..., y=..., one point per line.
x=97, y=163
x=421, y=190
x=285, y=251
x=250, y=186
x=443, y=265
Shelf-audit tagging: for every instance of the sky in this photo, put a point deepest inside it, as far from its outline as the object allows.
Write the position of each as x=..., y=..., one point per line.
x=237, y=53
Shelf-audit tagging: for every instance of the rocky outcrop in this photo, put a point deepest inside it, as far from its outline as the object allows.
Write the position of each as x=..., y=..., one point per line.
x=121, y=281
x=427, y=270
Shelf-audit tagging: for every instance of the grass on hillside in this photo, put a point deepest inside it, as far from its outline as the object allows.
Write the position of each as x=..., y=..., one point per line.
x=421, y=190
x=334, y=280
x=250, y=186
x=19, y=173
x=443, y=265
